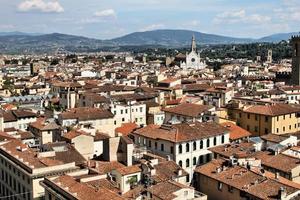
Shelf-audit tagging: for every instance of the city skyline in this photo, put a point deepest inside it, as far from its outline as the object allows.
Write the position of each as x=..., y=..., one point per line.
x=105, y=20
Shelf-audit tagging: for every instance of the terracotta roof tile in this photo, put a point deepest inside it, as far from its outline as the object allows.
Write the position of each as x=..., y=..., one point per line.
x=182, y=132
x=236, y=132
x=188, y=109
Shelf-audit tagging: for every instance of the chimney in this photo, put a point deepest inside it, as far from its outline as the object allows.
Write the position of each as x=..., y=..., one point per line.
x=282, y=193
x=277, y=175
x=179, y=172
x=168, y=158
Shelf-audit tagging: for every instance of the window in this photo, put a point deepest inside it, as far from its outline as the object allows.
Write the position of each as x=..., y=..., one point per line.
x=240, y=115
x=223, y=139
x=187, y=147
x=149, y=143
x=256, y=117
x=284, y=117
x=115, y=122
x=172, y=149
x=141, y=109
x=277, y=118
x=186, y=193
x=187, y=163
x=215, y=141
x=194, y=146
x=201, y=159
x=290, y=127
x=283, y=128
x=256, y=129
x=180, y=163
x=207, y=157
x=230, y=189
x=277, y=130
x=266, y=119
x=220, y=185
x=290, y=115
x=162, y=147
x=123, y=119
x=266, y=131
x=194, y=161
x=207, y=143
x=248, y=127
x=121, y=112
x=155, y=144
x=201, y=144
x=180, y=148
x=248, y=116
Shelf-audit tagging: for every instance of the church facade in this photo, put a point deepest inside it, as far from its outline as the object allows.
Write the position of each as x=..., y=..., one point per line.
x=193, y=59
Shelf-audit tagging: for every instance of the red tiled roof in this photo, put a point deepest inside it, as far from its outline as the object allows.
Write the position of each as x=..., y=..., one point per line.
x=126, y=128
x=235, y=132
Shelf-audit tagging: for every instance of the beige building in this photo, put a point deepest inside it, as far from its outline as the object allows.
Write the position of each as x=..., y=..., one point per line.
x=22, y=169
x=98, y=118
x=68, y=93
x=188, y=112
x=261, y=120
x=219, y=181
x=45, y=131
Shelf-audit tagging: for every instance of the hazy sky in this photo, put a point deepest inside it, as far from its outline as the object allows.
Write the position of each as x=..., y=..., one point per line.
x=111, y=18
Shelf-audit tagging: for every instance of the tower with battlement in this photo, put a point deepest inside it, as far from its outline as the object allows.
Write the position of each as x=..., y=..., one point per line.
x=295, y=42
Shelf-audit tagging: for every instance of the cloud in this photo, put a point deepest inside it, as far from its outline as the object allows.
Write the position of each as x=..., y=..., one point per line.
x=289, y=12
x=7, y=26
x=153, y=27
x=240, y=16
x=108, y=13
x=41, y=6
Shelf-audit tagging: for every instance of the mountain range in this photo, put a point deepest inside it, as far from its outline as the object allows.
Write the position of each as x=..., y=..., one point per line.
x=18, y=42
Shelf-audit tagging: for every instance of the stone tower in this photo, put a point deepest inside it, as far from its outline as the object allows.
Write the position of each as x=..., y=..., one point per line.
x=295, y=42
x=270, y=56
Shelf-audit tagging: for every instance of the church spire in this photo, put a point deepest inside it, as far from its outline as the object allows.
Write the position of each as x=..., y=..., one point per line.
x=194, y=46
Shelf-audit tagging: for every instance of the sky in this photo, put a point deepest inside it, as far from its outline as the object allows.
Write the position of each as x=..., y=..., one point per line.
x=105, y=19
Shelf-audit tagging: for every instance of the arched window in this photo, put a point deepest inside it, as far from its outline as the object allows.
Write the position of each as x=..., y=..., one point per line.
x=194, y=146
x=180, y=148
x=201, y=159
x=187, y=147
x=207, y=157
x=194, y=161
x=187, y=163
x=207, y=143
x=215, y=141
x=223, y=139
x=180, y=163
x=201, y=144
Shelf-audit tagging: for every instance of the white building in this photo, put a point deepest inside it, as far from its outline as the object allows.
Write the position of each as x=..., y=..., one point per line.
x=130, y=112
x=193, y=59
x=187, y=143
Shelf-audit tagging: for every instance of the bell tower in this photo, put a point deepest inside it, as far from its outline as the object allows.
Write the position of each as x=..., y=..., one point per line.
x=295, y=42
x=194, y=45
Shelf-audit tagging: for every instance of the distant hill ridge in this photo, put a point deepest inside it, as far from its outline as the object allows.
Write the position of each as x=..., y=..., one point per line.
x=20, y=42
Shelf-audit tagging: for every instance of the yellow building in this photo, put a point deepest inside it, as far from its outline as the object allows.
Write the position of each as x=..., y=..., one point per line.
x=261, y=120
